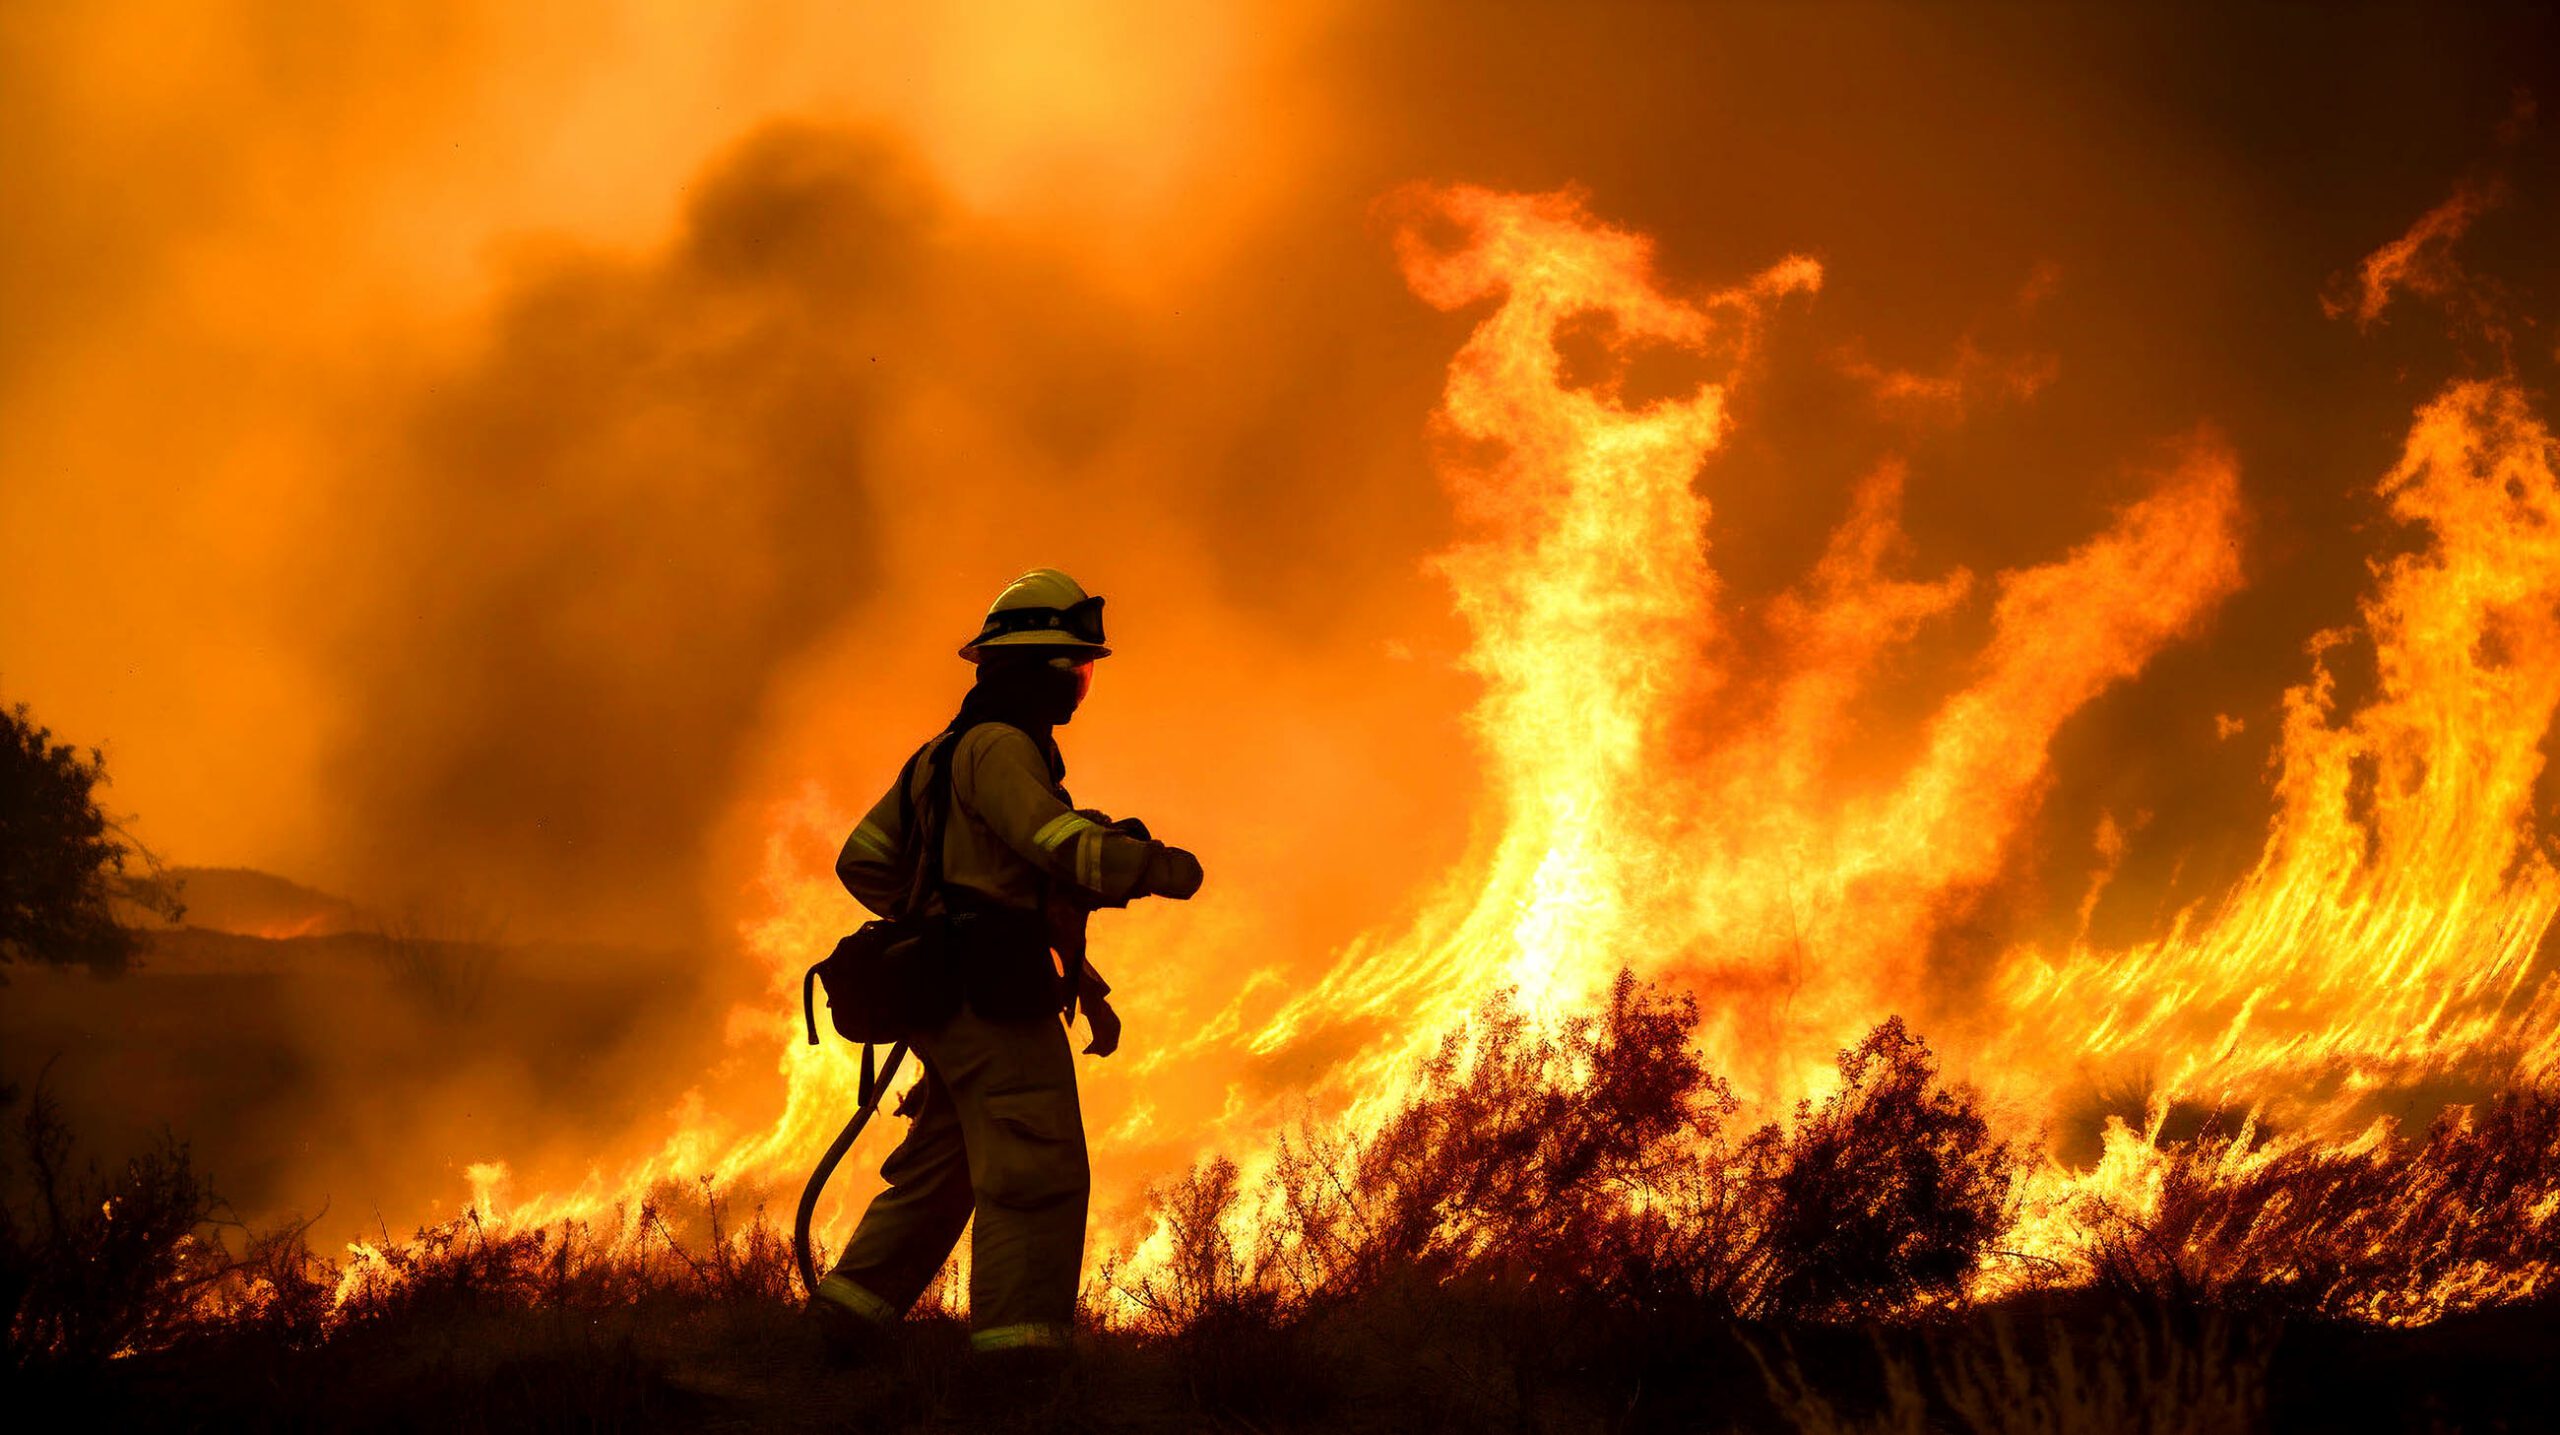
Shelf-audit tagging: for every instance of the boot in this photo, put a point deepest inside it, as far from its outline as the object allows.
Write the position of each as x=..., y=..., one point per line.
x=847, y=1339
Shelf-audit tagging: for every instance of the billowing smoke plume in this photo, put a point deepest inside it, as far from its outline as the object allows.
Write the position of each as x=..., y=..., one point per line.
x=596, y=542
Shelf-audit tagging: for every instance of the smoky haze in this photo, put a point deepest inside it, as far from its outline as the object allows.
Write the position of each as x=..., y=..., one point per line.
x=500, y=462
x=590, y=546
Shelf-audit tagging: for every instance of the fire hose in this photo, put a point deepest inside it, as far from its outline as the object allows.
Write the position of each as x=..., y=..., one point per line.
x=873, y=1088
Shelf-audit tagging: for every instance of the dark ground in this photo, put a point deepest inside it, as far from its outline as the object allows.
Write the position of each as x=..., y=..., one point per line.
x=1473, y=1363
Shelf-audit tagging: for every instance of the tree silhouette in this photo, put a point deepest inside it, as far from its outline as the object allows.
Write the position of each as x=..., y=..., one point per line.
x=63, y=859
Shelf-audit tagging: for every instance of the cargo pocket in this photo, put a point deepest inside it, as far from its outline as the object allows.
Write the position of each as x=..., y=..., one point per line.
x=1037, y=1154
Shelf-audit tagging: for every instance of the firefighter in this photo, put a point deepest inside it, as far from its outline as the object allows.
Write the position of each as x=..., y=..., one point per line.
x=996, y=1129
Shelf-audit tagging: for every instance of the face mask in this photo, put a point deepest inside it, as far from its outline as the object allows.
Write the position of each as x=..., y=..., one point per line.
x=1083, y=675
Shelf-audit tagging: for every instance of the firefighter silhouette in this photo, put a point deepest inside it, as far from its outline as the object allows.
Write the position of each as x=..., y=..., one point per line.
x=997, y=1132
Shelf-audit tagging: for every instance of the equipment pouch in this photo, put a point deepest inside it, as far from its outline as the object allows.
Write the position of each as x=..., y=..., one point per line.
x=894, y=977
x=886, y=981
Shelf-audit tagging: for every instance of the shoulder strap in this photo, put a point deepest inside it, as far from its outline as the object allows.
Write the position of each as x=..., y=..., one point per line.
x=932, y=825
x=924, y=827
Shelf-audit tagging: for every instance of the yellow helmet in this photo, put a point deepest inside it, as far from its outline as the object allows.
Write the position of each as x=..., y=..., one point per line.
x=1045, y=608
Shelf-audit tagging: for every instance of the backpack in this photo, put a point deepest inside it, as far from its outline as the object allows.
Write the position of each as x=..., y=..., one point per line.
x=894, y=977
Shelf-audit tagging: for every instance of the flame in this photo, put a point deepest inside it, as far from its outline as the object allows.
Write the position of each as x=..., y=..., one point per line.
x=2388, y=932
x=1658, y=808
x=1673, y=786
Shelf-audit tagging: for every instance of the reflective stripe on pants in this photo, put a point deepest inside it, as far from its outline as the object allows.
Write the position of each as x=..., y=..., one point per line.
x=1039, y=1333
x=852, y=1297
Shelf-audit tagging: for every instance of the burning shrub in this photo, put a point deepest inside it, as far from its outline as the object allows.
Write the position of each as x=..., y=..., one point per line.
x=1593, y=1164
x=1544, y=1204
x=1524, y=1169
x=1882, y=1199
x=277, y=1289
x=471, y=1264
x=464, y=1266
x=1519, y=1156
x=2387, y=1230
x=1204, y=1278
x=1217, y=1312
x=734, y=1264
x=93, y=1266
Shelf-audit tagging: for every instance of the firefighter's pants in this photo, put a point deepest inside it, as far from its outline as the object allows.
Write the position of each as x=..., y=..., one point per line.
x=999, y=1134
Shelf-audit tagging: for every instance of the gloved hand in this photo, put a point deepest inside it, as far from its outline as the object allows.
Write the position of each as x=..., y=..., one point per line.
x=1170, y=872
x=1133, y=827
x=1105, y=1025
